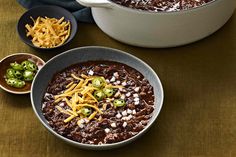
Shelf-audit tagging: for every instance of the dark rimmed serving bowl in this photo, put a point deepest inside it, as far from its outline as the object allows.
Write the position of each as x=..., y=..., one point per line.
x=48, y=11
x=18, y=57
x=93, y=53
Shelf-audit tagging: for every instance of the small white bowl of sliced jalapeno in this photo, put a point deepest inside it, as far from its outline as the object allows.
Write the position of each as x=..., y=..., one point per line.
x=17, y=72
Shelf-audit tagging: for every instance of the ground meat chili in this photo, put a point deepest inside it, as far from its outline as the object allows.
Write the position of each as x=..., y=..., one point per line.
x=161, y=5
x=122, y=112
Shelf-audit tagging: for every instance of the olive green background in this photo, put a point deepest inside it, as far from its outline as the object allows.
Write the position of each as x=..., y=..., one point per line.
x=198, y=118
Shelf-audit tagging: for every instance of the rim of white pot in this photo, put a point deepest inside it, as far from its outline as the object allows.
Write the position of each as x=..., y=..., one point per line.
x=113, y=4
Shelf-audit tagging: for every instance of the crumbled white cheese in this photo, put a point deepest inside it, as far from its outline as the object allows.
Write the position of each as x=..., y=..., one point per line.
x=121, y=89
x=116, y=74
x=123, y=118
x=107, y=130
x=81, y=121
x=117, y=94
x=117, y=82
x=129, y=117
x=61, y=104
x=113, y=125
x=90, y=72
x=136, y=99
x=91, y=142
x=128, y=94
x=118, y=115
x=124, y=83
x=43, y=106
x=124, y=113
x=113, y=79
x=129, y=111
x=107, y=81
x=134, y=111
x=136, y=89
x=81, y=125
x=124, y=124
x=47, y=94
x=86, y=120
x=122, y=96
x=135, y=95
x=136, y=102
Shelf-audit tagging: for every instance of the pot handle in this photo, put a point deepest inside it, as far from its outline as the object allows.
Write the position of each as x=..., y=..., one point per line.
x=95, y=3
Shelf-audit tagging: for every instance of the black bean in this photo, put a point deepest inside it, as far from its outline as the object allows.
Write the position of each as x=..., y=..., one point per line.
x=98, y=134
x=131, y=106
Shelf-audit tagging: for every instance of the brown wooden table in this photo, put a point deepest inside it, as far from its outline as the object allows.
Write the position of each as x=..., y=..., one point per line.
x=198, y=118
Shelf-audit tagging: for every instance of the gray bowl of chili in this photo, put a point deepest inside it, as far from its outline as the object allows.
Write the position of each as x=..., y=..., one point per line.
x=79, y=56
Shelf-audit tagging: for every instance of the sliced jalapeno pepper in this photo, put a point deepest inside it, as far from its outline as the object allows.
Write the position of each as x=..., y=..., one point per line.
x=28, y=65
x=98, y=82
x=108, y=91
x=99, y=95
x=18, y=74
x=10, y=73
x=86, y=111
x=16, y=66
x=119, y=102
x=15, y=82
x=28, y=75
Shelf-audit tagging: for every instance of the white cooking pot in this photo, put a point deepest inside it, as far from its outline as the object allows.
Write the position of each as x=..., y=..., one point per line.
x=162, y=29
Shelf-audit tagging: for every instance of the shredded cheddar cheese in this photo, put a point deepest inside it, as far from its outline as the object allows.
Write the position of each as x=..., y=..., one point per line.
x=89, y=94
x=92, y=115
x=62, y=110
x=48, y=32
x=69, y=85
x=111, y=86
x=76, y=77
x=69, y=118
x=70, y=89
x=80, y=95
